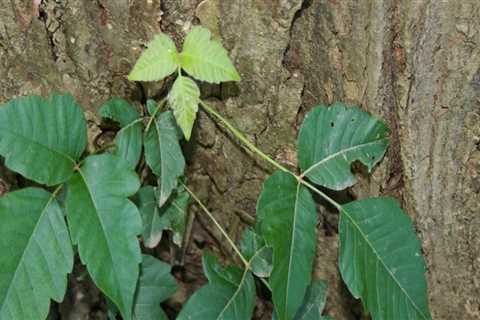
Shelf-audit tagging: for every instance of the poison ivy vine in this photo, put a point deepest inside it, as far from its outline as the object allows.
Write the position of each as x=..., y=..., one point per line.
x=107, y=207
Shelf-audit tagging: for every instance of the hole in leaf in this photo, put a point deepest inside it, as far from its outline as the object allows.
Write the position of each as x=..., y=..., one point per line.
x=332, y=124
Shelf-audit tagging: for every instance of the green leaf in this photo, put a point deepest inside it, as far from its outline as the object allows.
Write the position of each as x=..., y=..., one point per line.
x=105, y=224
x=184, y=98
x=314, y=302
x=42, y=139
x=36, y=255
x=206, y=59
x=381, y=260
x=173, y=215
x=164, y=155
x=151, y=106
x=331, y=138
x=119, y=110
x=155, y=285
x=152, y=226
x=258, y=254
x=129, y=138
x=159, y=60
x=229, y=294
x=287, y=218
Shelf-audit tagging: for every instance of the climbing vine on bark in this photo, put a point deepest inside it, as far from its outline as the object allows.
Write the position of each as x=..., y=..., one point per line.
x=107, y=208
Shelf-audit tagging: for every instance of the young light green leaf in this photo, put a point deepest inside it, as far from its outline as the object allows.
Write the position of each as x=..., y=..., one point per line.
x=184, y=98
x=258, y=254
x=164, y=155
x=230, y=294
x=36, y=255
x=155, y=285
x=159, y=60
x=287, y=218
x=129, y=138
x=314, y=302
x=105, y=224
x=381, y=260
x=331, y=138
x=206, y=59
x=42, y=139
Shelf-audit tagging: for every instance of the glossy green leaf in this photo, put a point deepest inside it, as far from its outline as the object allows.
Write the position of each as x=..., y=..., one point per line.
x=159, y=60
x=155, y=285
x=287, y=219
x=258, y=254
x=36, y=254
x=129, y=138
x=164, y=155
x=42, y=139
x=206, y=59
x=184, y=98
x=331, y=138
x=105, y=224
x=381, y=260
x=229, y=295
x=314, y=302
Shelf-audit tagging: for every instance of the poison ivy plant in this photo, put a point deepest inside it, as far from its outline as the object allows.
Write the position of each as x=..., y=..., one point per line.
x=332, y=138
x=184, y=99
x=229, y=294
x=149, y=210
x=44, y=140
x=257, y=252
x=287, y=219
x=172, y=216
x=158, y=61
x=206, y=59
x=164, y=155
x=202, y=57
x=36, y=251
x=104, y=225
x=129, y=139
x=155, y=285
x=381, y=260
x=314, y=302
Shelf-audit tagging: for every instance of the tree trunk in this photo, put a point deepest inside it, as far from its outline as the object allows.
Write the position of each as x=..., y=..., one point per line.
x=415, y=64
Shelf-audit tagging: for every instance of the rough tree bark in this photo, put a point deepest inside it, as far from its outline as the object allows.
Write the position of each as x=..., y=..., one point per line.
x=414, y=63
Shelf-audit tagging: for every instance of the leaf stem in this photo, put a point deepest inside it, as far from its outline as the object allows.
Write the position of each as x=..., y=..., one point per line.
x=264, y=156
x=154, y=114
x=242, y=138
x=219, y=227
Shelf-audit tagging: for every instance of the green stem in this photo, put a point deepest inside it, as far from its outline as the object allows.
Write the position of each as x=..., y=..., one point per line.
x=242, y=138
x=219, y=227
x=264, y=156
x=154, y=114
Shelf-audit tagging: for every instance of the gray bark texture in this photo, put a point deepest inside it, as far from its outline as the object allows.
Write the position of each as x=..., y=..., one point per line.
x=414, y=63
